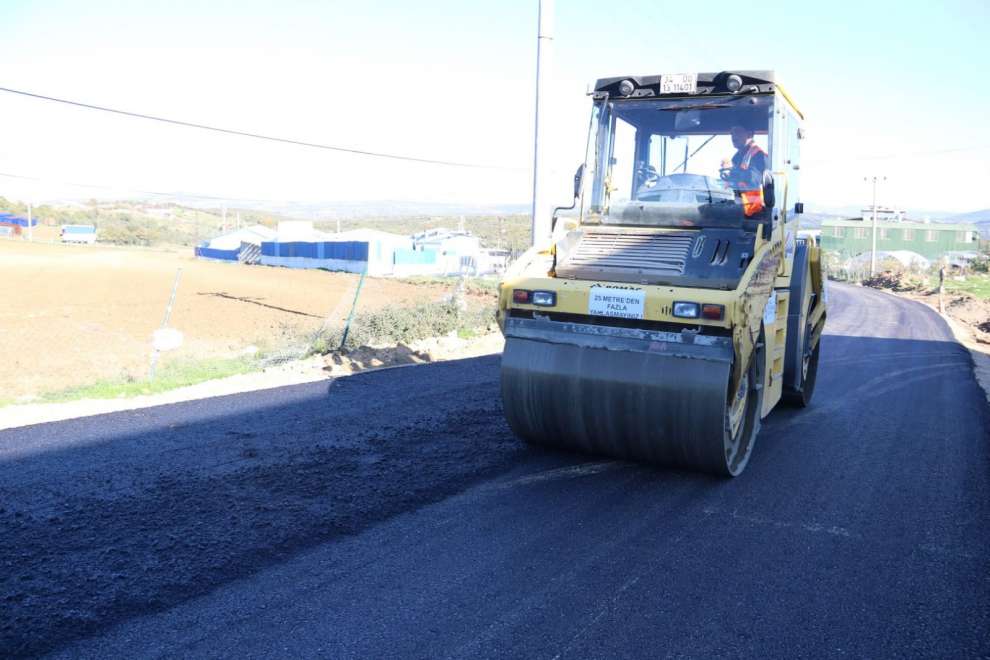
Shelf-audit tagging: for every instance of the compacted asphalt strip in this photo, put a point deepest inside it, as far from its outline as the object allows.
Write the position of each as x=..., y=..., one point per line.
x=393, y=514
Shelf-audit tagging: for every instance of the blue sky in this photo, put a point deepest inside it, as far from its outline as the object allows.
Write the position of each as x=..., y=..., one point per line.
x=884, y=86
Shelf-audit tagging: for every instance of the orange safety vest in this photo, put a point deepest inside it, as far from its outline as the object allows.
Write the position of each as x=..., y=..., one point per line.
x=752, y=200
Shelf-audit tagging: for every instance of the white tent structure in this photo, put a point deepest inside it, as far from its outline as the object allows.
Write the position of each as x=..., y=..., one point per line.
x=299, y=231
x=906, y=258
x=234, y=245
x=232, y=241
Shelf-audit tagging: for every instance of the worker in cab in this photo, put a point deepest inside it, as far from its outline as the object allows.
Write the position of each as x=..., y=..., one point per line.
x=747, y=171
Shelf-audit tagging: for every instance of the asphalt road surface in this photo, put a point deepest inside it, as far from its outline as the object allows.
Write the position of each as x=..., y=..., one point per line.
x=392, y=514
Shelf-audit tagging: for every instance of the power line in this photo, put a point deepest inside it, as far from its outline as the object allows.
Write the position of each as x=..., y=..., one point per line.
x=908, y=154
x=95, y=186
x=257, y=136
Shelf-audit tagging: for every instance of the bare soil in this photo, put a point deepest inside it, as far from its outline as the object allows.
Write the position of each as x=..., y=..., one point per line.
x=73, y=315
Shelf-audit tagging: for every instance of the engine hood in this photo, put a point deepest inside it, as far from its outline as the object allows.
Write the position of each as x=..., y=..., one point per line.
x=710, y=258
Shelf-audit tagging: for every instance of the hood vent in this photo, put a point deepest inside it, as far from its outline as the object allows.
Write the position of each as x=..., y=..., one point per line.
x=627, y=256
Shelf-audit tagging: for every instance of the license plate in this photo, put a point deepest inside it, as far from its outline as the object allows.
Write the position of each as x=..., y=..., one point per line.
x=612, y=301
x=678, y=83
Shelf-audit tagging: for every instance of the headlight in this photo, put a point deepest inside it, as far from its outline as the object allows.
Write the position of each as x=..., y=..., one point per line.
x=687, y=310
x=544, y=298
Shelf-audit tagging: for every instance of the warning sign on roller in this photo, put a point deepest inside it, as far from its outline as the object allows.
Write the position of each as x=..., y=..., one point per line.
x=613, y=301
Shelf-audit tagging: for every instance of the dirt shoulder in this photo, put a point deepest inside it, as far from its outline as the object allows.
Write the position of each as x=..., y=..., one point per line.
x=316, y=368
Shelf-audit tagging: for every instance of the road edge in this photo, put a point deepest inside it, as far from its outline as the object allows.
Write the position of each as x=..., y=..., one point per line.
x=297, y=372
x=979, y=354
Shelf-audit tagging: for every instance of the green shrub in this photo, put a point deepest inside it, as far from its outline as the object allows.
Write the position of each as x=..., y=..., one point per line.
x=396, y=325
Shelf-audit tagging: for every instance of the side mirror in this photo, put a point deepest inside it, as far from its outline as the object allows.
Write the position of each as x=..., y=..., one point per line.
x=770, y=198
x=579, y=181
x=798, y=208
x=578, y=186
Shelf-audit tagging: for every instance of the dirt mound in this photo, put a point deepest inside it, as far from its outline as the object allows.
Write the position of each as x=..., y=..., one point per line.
x=895, y=281
x=366, y=357
x=434, y=349
x=973, y=312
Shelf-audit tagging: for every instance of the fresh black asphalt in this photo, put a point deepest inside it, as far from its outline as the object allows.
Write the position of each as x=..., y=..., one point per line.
x=393, y=515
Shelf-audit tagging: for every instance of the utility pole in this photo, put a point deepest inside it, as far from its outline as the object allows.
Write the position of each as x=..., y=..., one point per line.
x=873, y=253
x=223, y=217
x=540, y=226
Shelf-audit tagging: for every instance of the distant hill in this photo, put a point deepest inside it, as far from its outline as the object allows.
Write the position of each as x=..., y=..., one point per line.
x=979, y=218
x=976, y=217
x=829, y=210
x=383, y=209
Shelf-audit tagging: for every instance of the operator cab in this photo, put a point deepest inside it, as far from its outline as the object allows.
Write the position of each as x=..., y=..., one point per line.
x=688, y=151
x=670, y=155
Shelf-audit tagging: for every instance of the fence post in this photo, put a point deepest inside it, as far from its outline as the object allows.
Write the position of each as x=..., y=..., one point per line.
x=347, y=326
x=941, y=290
x=168, y=315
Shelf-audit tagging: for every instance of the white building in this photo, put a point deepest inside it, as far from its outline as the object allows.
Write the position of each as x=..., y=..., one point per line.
x=383, y=247
x=493, y=261
x=457, y=251
x=884, y=214
x=77, y=234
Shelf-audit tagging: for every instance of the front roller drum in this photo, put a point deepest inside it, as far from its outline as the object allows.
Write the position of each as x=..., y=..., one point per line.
x=664, y=405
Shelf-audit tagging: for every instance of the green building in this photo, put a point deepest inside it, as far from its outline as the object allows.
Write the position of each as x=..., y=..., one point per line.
x=932, y=240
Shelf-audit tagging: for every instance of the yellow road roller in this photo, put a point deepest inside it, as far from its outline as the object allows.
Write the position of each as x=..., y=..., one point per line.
x=673, y=305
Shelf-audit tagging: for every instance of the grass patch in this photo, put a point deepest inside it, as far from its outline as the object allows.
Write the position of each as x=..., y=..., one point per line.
x=170, y=376
x=975, y=285
x=401, y=325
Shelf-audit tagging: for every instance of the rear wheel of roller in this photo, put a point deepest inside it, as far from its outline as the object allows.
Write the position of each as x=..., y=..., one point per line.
x=800, y=396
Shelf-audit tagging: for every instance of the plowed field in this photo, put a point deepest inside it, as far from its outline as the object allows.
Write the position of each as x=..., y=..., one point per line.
x=72, y=315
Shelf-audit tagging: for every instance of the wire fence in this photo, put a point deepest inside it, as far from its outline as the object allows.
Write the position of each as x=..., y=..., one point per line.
x=75, y=316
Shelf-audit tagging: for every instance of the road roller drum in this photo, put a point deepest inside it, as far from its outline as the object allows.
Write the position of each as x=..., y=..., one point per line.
x=639, y=395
